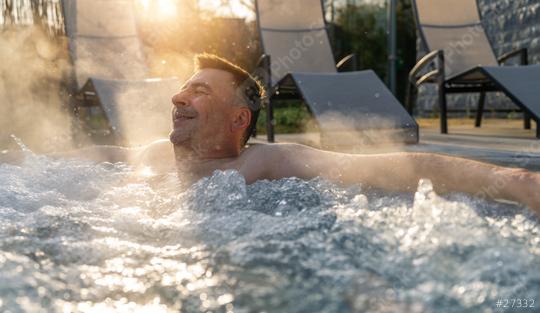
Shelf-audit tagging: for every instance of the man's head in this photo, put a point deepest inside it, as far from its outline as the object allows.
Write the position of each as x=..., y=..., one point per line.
x=216, y=109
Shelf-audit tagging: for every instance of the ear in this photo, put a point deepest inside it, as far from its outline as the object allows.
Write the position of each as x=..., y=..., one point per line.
x=241, y=120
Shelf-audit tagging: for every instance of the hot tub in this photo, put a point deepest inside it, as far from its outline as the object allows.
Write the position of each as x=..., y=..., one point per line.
x=76, y=236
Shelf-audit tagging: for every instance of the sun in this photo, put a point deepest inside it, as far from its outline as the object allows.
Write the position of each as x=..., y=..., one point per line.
x=167, y=8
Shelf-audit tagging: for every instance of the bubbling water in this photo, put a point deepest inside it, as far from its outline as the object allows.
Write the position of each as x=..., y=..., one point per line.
x=79, y=236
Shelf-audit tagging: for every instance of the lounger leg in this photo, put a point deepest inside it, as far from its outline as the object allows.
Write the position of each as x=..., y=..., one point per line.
x=442, y=105
x=480, y=109
x=270, y=121
x=410, y=97
x=526, y=120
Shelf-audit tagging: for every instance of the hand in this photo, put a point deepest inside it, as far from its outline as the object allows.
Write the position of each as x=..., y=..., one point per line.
x=525, y=188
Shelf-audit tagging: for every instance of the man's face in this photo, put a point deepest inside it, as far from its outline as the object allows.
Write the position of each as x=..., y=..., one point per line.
x=202, y=110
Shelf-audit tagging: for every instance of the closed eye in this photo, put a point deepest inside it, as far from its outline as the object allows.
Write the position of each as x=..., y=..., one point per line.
x=197, y=88
x=200, y=90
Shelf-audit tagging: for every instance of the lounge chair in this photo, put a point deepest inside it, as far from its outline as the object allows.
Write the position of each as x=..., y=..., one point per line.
x=460, y=59
x=298, y=63
x=110, y=74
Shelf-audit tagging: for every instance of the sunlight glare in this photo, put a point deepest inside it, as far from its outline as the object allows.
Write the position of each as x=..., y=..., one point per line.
x=159, y=8
x=167, y=8
x=145, y=4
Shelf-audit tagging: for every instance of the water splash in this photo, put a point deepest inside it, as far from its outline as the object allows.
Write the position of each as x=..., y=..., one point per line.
x=79, y=236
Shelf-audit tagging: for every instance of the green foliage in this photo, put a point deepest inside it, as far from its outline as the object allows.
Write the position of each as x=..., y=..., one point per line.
x=406, y=45
x=361, y=29
x=291, y=117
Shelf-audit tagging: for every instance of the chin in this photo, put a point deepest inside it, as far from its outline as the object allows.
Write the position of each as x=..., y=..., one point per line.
x=178, y=137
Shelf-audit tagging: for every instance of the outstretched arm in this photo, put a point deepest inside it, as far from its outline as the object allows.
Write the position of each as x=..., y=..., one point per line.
x=111, y=154
x=155, y=154
x=402, y=171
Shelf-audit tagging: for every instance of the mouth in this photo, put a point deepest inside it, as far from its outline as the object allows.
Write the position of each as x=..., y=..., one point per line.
x=179, y=115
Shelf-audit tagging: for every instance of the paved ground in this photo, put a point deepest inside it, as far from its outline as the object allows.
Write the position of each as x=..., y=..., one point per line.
x=499, y=141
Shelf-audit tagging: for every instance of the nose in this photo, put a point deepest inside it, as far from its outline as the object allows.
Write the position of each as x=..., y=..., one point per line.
x=179, y=99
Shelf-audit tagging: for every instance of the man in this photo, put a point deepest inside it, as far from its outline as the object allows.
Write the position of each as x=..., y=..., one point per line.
x=213, y=115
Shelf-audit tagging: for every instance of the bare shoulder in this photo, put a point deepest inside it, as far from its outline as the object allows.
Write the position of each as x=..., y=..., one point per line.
x=260, y=161
x=159, y=155
x=267, y=152
x=253, y=162
x=279, y=147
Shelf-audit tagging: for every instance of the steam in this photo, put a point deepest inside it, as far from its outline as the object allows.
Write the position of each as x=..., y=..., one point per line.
x=339, y=130
x=35, y=72
x=164, y=62
x=33, y=98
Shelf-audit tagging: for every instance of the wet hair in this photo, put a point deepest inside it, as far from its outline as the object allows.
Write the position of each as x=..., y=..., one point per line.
x=251, y=89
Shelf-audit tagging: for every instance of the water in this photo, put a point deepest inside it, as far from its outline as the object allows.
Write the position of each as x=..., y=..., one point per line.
x=75, y=236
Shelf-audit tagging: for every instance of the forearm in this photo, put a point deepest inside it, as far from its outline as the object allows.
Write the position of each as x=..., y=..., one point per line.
x=111, y=154
x=402, y=171
x=451, y=174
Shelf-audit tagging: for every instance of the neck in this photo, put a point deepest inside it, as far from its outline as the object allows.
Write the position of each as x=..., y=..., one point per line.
x=192, y=164
x=195, y=153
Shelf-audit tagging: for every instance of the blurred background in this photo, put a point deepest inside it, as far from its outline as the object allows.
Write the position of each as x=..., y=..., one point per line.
x=35, y=68
x=36, y=76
